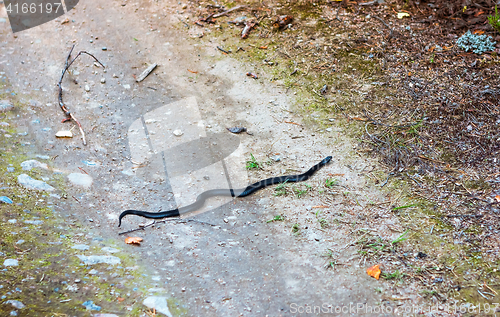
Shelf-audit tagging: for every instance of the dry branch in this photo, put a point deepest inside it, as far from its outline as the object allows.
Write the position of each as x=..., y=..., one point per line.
x=69, y=115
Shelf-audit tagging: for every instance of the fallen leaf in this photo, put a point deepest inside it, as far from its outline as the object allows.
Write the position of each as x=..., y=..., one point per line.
x=479, y=13
x=133, y=240
x=263, y=47
x=65, y=21
x=120, y=299
x=402, y=15
x=478, y=32
x=497, y=197
x=192, y=71
x=374, y=271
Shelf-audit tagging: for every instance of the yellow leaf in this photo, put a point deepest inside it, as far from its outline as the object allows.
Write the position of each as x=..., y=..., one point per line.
x=374, y=271
x=402, y=15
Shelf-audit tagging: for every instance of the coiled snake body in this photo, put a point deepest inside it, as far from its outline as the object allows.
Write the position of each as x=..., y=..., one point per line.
x=242, y=192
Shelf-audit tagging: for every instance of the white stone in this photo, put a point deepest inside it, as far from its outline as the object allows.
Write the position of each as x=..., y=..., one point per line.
x=110, y=250
x=96, y=259
x=11, y=262
x=159, y=303
x=17, y=304
x=30, y=183
x=30, y=164
x=82, y=247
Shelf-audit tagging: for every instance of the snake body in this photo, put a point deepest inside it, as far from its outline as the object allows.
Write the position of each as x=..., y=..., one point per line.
x=242, y=192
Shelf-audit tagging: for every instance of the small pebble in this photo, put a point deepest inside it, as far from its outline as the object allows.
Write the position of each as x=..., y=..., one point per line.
x=5, y=106
x=5, y=199
x=178, y=133
x=10, y=262
x=104, y=48
x=103, y=80
x=15, y=303
x=87, y=88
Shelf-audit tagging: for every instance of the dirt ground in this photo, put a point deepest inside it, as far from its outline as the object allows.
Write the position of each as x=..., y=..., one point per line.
x=289, y=250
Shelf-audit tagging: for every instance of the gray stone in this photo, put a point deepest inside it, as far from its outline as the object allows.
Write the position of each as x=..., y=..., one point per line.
x=5, y=106
x=96, y=259
x=33, y=222
x=17, y=304
x=11, y=262
x=89, y=305
x=82, y=247
x=30, y=164
x=110, y=250
x=5, y=199
x=30, y=183
x=159, y=303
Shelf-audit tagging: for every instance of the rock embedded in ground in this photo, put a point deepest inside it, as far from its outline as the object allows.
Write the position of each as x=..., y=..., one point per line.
x=5, y=199
x=5, y=106
x=34, y=222
x=159, y=303
x=96, y=259
x=110, y=250
x=30, y=183
x=82, y=247
x=89, y=305
x=17, y=304
x=30, y=164
x=79, y=179
x=10, y=262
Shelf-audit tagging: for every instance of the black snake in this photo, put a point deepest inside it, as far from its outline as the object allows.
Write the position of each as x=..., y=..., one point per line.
x=242, y=192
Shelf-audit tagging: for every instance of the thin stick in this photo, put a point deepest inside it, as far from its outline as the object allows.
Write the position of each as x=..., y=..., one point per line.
x=165, y=221
x=387, y=25
x=230, y=10
x=59, y=84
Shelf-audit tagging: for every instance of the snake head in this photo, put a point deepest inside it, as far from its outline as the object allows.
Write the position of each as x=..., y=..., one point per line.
x=326, y=160
x=123, y=214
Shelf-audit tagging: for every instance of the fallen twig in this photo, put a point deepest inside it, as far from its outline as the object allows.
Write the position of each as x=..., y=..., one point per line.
x=249, y=25
x=59, y=84
x=146, y=72
x=230, y=10
x=387, y=25
x=165, y=221
x=223, y=50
